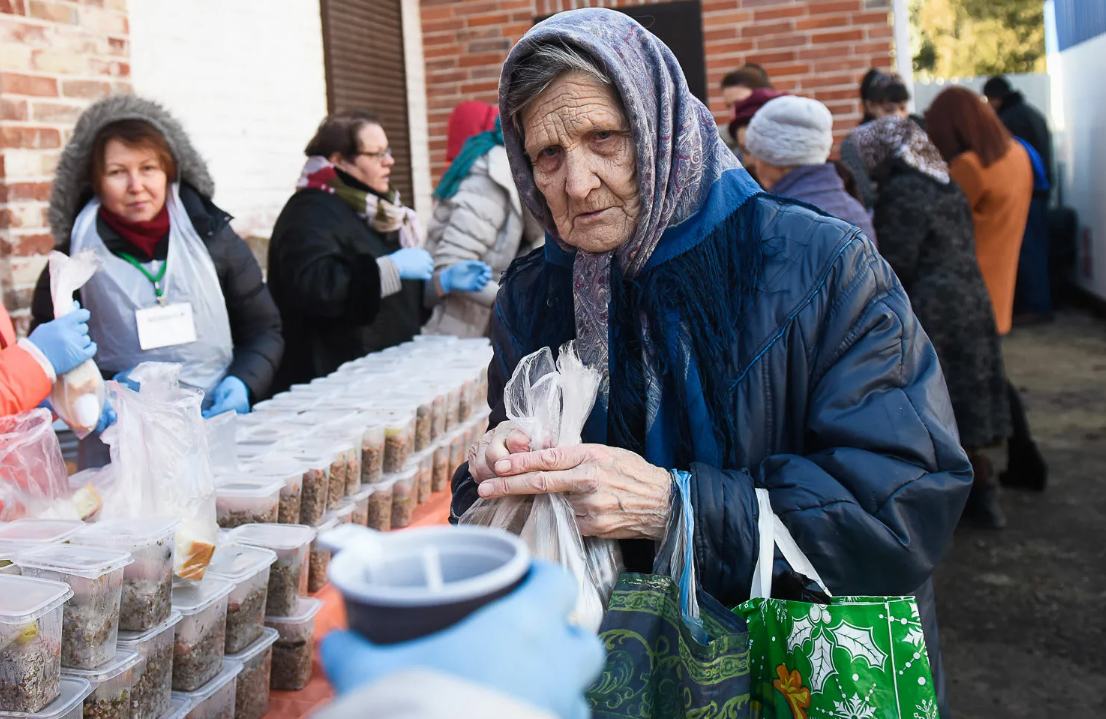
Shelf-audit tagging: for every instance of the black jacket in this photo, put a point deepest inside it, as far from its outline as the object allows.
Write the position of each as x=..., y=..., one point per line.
x=1025, y=121
x=325, y=280
x=254, y=320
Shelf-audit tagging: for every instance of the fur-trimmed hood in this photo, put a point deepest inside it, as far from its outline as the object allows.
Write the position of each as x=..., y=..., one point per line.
x=72, y=182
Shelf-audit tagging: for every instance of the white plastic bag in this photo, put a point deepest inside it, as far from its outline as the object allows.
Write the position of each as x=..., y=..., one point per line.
x=162, y=467
x=550, y=402
x=78, y=395
x=33, y=481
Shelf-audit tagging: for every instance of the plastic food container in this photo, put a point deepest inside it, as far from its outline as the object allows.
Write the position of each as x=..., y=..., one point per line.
x=214, y=700
x=201, y=634
x=338, y=451
x=91, y=617
x=291, y=494
x=350, y=431
x=147, y=583
x=246, y=501
x=404, y=497
x=111, y=686
x=425, y=476
x=319, y=557
x=453, y=407
x=437, y=415
x=8, y=552
x=294, y=647
x=440, y=477
x=68, y=705
x=380, y=506
x=39, y=531
x=30, y=642
x=178, y=706
x=252, y=695
x=372, y=454
x=360, y=502
x=288, y=576
x=467, y=401
x=457, y=449
x=399, y=439
x=248, y=569
x=152, y=677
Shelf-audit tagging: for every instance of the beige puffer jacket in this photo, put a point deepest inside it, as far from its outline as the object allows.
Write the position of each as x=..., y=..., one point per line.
x=484, y=221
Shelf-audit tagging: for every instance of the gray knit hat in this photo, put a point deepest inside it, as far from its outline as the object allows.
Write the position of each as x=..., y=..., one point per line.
x=791, y=131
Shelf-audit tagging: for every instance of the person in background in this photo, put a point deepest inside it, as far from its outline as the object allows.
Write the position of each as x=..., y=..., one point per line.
x=737, y=86
x=131, y=186
x=788, y=142
x=467, y=119
x=743, y=112
x=478, y=228
x=926, y=232
x=30, y=366
x=1032, y=293
x=881, y=95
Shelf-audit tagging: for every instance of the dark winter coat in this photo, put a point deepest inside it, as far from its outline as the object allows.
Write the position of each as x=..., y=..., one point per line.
x=926, y=234
x=821, y=186
x=1025, y=121
x=838, y=404
x=325, y=280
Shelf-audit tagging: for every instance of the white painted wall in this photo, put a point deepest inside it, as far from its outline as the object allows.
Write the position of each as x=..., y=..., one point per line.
x=418, y=125
x=246, y=78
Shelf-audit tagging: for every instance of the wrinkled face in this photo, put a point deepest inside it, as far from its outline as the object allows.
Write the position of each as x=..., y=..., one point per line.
x=735, y=93
x=582, y=152
x=134, y=182
x=373, y=163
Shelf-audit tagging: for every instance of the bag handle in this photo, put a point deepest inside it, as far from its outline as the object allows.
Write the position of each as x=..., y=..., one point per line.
x=774, y=533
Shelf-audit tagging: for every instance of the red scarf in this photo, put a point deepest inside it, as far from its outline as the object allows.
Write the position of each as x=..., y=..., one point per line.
x=143, y=235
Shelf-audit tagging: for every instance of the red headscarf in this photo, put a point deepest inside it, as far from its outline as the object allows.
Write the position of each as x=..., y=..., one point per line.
x=743, y=111
x=466, y=120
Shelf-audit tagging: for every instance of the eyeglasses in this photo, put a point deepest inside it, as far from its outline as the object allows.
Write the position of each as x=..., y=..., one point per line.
x=386, y=152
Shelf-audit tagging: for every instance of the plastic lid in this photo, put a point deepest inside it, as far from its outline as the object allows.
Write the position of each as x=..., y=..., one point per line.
x=40, y=531
x=9, y=549
x=247, y=488
x=126, y=532
x=193, y=597
x=178, y=708
x=273, y=536
x=361, y=495
x=25, y=599
x=73, y=692
x=267, y=639
x=230, y=671
x=239, y=563
x=82, y=561
x=306, y=611
x=328, y=524
x=409, y=472
x=130, y=639
x=340, y=514
x=123, y=660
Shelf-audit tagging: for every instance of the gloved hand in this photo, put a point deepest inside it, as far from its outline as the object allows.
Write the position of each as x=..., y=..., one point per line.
x=124, y=378
x=107, y=418
x=231, y=394
x=465, y=276
x=65, y=341
x=521, y=645
x=413, y=263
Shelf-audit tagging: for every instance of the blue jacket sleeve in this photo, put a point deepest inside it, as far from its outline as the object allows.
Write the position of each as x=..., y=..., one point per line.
x=876, y=493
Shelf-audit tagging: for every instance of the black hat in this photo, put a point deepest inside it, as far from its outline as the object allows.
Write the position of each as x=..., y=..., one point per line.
x=997, y=87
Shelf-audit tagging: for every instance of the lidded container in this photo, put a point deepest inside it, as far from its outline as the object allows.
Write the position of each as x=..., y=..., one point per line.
x=178, y=706
x=404, y=497
x=242, y=500
x=252, y=694
x=152, y=678
x=215, y=699
x=148, y=582
x=315, y=481
x=8, y=551
x=380, y=506
x=291, y=494
x=201, y=634
x=424, y=480
x=294, y=647
x=111, y=686
x=288, y=576
x=39, y=531
x=91, y=617
x=399, y=438
x=372, y=452
x=248, y=569
x=30, y=642
x=68, y=705
x=360, y=502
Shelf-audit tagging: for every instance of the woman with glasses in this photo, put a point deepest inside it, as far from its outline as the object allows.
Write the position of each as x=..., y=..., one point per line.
x=347, y=266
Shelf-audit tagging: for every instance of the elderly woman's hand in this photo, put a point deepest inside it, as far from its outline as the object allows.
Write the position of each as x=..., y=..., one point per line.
x=615, y=493
x=504, y=440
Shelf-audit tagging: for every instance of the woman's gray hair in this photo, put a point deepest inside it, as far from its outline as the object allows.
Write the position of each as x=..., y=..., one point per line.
x=540, y=68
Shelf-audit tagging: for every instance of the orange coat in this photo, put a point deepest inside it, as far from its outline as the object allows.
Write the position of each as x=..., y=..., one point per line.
x=999, y=196
x=23, y=381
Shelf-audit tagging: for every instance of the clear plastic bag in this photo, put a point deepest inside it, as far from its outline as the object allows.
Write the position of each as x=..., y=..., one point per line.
x=78, y=395
x=33, y=480
x=549, y=402
x=222, y=441
x=162, y=465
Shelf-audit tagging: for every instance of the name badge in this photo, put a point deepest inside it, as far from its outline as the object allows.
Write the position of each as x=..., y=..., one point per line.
x=166, y=326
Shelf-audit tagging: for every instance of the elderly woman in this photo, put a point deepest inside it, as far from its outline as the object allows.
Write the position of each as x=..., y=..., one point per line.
x=745, y=339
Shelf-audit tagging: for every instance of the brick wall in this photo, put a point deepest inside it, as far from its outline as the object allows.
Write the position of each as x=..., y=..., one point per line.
x=56, y=56
x=818, y=49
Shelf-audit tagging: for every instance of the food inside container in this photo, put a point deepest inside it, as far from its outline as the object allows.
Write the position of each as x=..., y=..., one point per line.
x=453, y=407
x=319, y=557
x=294, y=647
x=467, y=400
x=440, y=478
x=152, y=677
x=91, y=617
x=291, y=493
x=372, y=454
x=215, y=699
x=248, y=569
x=39, y=531
x=360, y=502
x=111, y=686
x=246, y=501
x=425, y=478
x=30, y=642
x=178, y=708
x=252, y=693
x=380, y=506
x=68, y=705
x=404, y=497
x=437, y=415
x=399, y=440
x=201, y=634
x=457, y=449
x=288, y=576
x=314, y=483
x=147, y=582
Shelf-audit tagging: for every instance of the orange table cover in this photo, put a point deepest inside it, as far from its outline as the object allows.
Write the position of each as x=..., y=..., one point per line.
x=332, y=616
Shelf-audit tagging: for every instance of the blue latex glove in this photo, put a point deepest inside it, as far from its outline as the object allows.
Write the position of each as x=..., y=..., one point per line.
x=124, y=378
x=413, y=263
x=231, y=394
x=465, y=276
x=107, y=418
x=65, y=341
x=521, y=645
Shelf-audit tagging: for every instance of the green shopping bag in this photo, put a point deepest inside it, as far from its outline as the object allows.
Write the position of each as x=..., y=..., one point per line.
x=855, y=658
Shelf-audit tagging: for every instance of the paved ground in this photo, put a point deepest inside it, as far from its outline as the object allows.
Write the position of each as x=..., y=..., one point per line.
x=1023, y=611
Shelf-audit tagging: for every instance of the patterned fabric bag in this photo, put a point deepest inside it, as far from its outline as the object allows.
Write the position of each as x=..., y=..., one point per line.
x=855, y=658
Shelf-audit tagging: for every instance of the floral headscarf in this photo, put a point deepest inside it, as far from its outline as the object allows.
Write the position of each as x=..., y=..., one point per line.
x=899, y=138
x=679, y=152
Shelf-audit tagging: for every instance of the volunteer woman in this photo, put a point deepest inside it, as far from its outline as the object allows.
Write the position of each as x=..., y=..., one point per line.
x=176, y=283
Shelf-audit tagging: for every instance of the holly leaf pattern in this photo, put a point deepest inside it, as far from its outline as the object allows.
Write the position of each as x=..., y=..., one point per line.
x=821, y=662
x=801, y=631
x=859, y=644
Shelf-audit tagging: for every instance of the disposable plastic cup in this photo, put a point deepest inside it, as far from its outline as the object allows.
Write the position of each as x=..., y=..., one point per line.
x=214, y=700
x=295, y=646
x=111, y=686
x=68, y=705
x=251, y=697
x=30, y=642
x=288, y=577
x=247, y=501
x=152, y=677
x=201, y=634
x=248, y=569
